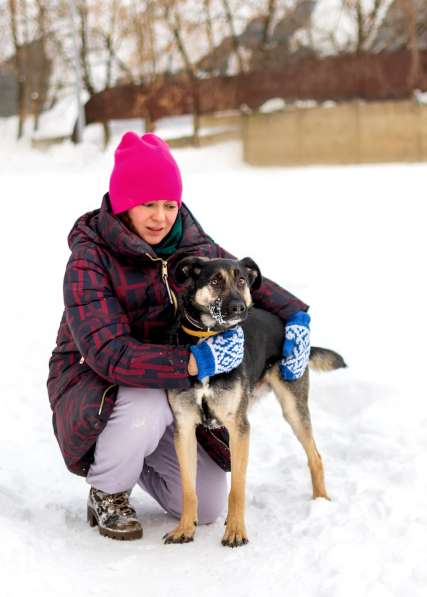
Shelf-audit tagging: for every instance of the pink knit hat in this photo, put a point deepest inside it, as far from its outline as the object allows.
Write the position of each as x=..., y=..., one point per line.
x=144, y=171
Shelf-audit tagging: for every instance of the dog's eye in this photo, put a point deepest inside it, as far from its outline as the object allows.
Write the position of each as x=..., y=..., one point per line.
x=241, y=282
x=216, y=281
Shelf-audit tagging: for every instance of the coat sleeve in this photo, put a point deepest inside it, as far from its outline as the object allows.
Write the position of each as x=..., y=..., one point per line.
x=270, y=296
x=101, y=330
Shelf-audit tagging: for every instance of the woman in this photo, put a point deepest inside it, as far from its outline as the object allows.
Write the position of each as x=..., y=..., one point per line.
x=114, y=358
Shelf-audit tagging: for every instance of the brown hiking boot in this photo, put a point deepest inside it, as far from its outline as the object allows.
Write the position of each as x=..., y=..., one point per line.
x=113, y=515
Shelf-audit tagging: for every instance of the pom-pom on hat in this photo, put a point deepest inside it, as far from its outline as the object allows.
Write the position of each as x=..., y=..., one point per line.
x=144, y=171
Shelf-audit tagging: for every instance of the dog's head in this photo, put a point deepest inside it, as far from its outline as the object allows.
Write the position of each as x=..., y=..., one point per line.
x=218, y=291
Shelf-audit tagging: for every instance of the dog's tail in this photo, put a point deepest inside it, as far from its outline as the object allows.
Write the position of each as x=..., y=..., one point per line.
x=323, y=359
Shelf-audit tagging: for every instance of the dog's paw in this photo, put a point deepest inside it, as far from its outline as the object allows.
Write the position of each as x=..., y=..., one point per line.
x=180, y=535
x=321, y=494
x=235, y=536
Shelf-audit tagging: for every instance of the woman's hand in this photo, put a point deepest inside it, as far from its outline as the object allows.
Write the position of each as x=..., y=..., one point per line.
x=192, y=365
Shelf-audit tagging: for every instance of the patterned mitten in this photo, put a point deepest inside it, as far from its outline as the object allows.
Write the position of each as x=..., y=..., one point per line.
x=296, y=347
x=220, y=353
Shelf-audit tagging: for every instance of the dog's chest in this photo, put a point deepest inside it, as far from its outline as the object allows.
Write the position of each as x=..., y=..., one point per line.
x=204, y=391
x=216, y=404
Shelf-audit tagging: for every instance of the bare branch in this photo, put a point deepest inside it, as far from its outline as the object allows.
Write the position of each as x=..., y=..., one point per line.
x=271, y=10
x=235, y=40
x=82, y=11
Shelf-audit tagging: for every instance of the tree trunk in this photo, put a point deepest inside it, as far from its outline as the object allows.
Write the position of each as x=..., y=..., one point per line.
x=149, y=124
x=415, y=75
x=84, y=49
x=42, y=80
x=19, y=67
x=235, y=40
x=268, y=20
x=196, y=112
x=174, y=24
x=209, y=28
x=107, y=134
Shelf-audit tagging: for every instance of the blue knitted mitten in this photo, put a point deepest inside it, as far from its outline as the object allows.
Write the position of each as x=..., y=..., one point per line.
x=219, y=354
x=296, y=347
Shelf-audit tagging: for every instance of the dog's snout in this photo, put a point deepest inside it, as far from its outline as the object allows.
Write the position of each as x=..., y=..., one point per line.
x=236, y=307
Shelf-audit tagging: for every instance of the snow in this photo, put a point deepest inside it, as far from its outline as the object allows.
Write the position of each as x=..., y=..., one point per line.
x=58, y=123
x=275, y=104
x=348, y=240
x=420, y=96
x=278, y=104
x=60, y=120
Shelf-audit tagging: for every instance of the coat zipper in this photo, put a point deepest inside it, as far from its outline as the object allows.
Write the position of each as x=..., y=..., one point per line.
x=101, y=406
x=171, y=294
x=173, y=301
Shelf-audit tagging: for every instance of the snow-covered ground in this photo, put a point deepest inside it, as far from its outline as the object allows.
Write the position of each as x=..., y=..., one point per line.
x=351, y=242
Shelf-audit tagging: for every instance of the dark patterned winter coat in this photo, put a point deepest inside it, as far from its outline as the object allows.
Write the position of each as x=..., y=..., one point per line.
x=115, y=329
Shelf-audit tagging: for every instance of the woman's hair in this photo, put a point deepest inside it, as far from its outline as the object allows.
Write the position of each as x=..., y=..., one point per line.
x=125, y=218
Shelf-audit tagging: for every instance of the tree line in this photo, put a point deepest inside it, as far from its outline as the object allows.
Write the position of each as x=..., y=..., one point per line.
x=136, y=41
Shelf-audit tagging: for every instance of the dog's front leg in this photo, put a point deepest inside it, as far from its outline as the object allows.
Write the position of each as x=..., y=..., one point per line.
x=186, y=451
x=235, y=531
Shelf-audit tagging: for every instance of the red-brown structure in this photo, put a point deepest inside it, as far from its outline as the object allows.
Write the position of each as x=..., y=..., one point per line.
x=364, y=76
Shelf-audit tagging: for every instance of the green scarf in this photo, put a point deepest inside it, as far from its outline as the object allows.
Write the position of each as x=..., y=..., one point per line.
x=170, y=243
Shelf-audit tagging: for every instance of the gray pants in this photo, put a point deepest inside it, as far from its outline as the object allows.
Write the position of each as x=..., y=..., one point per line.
x=137, y=446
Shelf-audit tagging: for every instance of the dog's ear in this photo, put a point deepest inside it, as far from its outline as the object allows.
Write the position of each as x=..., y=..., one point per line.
x=189, y=267
x=254, y=273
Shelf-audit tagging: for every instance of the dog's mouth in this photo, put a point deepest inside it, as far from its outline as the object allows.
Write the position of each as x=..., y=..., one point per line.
x=217, y=316
x=215, y=310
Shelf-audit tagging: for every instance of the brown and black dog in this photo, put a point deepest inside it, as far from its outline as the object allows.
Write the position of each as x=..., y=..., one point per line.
x=218, y=297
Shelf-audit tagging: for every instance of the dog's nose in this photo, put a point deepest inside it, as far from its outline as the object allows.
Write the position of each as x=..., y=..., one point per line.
x=236, y=307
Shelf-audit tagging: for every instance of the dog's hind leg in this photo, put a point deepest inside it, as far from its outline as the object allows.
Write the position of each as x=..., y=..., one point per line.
x=293, y=398
x=235, y=531
x=186, y=451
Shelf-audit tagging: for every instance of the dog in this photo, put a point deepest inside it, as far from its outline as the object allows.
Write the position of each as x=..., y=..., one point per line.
x=218, y=297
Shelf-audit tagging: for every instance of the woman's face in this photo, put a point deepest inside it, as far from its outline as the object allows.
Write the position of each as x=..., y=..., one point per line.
x=153, y=221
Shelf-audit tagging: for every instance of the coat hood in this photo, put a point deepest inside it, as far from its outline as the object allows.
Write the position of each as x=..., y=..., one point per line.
x=104, y=229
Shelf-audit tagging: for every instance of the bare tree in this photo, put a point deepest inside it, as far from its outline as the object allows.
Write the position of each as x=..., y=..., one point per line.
x=39, y=93
x=145, y=60
x=5, y=32
x=173, y=19
x=415, y=75
x=19, y=66
x=367, y=19
x=101, y=32
x=108, y=36
x=209, y=25
x=83, y=13
x=235, y=40
x=271, y=11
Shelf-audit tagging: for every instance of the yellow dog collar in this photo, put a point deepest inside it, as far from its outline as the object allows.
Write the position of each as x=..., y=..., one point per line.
x=197, y=334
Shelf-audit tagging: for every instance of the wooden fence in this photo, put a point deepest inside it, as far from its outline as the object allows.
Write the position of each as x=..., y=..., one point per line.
x=348, y=133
